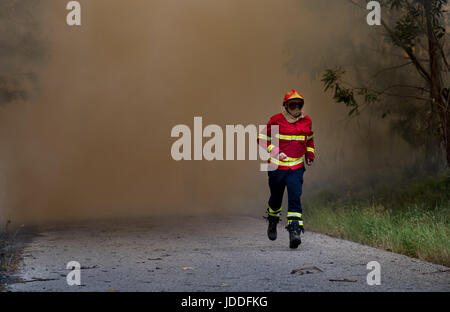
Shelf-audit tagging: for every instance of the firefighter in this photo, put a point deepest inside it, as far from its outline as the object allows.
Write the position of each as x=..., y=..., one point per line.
x=288, y=160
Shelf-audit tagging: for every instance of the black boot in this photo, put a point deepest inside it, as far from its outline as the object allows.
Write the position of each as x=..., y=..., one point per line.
x=294, y=229
x=272, y=228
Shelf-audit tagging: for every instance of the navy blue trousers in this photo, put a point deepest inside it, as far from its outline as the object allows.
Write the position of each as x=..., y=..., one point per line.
x=278, y=181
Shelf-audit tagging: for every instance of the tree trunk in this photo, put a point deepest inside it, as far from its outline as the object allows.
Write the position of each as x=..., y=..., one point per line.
x=436, y=80
x=447, y=134
x=444, y=117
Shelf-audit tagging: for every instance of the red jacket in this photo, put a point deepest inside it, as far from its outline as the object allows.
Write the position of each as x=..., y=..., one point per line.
x=296, y=140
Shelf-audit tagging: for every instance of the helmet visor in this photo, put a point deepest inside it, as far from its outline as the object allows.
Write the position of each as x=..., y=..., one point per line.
x=293, y=104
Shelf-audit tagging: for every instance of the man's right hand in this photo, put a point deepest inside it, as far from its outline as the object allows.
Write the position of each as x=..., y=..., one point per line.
x=282, y=156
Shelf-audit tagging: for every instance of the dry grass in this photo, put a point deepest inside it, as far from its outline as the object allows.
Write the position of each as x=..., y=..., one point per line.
x=7, y=250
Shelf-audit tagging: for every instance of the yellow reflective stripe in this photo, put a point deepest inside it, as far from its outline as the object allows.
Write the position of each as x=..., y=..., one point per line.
x=300, y=222
x=291, y=137
x=270, y=148
x=265, y=137
x=288, y=159
x=282, y=163
x=310, y=137
x=310, y=149
x=287, y=164
x=294, y=214
x=273, y=211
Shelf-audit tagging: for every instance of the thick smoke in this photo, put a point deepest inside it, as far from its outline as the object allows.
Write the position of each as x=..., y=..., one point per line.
x=22, y=49
x=96, y=142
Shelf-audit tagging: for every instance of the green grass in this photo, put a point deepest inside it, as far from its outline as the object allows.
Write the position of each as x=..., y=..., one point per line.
x=412, y=219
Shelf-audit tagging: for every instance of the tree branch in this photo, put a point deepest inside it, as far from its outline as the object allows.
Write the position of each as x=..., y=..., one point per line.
x=406, y=86
x=444, y=57
x=408, y=51
x=397, y=55
x=405, y=96
x=391, y=68
x=411, y=55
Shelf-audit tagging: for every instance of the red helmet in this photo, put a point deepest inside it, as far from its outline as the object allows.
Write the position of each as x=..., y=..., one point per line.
x=293, y=94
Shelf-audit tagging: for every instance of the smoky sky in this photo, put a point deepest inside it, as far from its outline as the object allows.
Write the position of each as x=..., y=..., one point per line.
x=95, y=141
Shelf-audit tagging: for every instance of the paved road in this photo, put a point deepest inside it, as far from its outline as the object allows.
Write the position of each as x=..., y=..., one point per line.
x=210, y=254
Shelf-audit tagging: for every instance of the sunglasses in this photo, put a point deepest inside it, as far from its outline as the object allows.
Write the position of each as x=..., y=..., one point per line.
x=296, y=104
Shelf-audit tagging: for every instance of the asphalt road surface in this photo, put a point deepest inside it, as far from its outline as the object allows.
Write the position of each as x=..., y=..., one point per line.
x=206, y=253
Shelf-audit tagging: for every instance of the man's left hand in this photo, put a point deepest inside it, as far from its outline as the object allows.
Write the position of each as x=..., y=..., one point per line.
x=309, y=162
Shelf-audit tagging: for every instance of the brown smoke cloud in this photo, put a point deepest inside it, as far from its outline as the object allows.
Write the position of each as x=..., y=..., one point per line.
x=96, y=142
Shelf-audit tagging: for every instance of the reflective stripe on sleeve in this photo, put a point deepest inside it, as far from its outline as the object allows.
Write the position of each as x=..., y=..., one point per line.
x=264, y=137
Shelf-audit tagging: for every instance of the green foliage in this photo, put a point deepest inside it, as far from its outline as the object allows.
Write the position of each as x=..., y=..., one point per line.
x=332, y=79
x=405, y=96
x=411, y=26
x=407, y=29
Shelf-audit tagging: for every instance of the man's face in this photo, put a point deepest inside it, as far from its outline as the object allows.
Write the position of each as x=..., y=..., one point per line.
x=295, y=107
